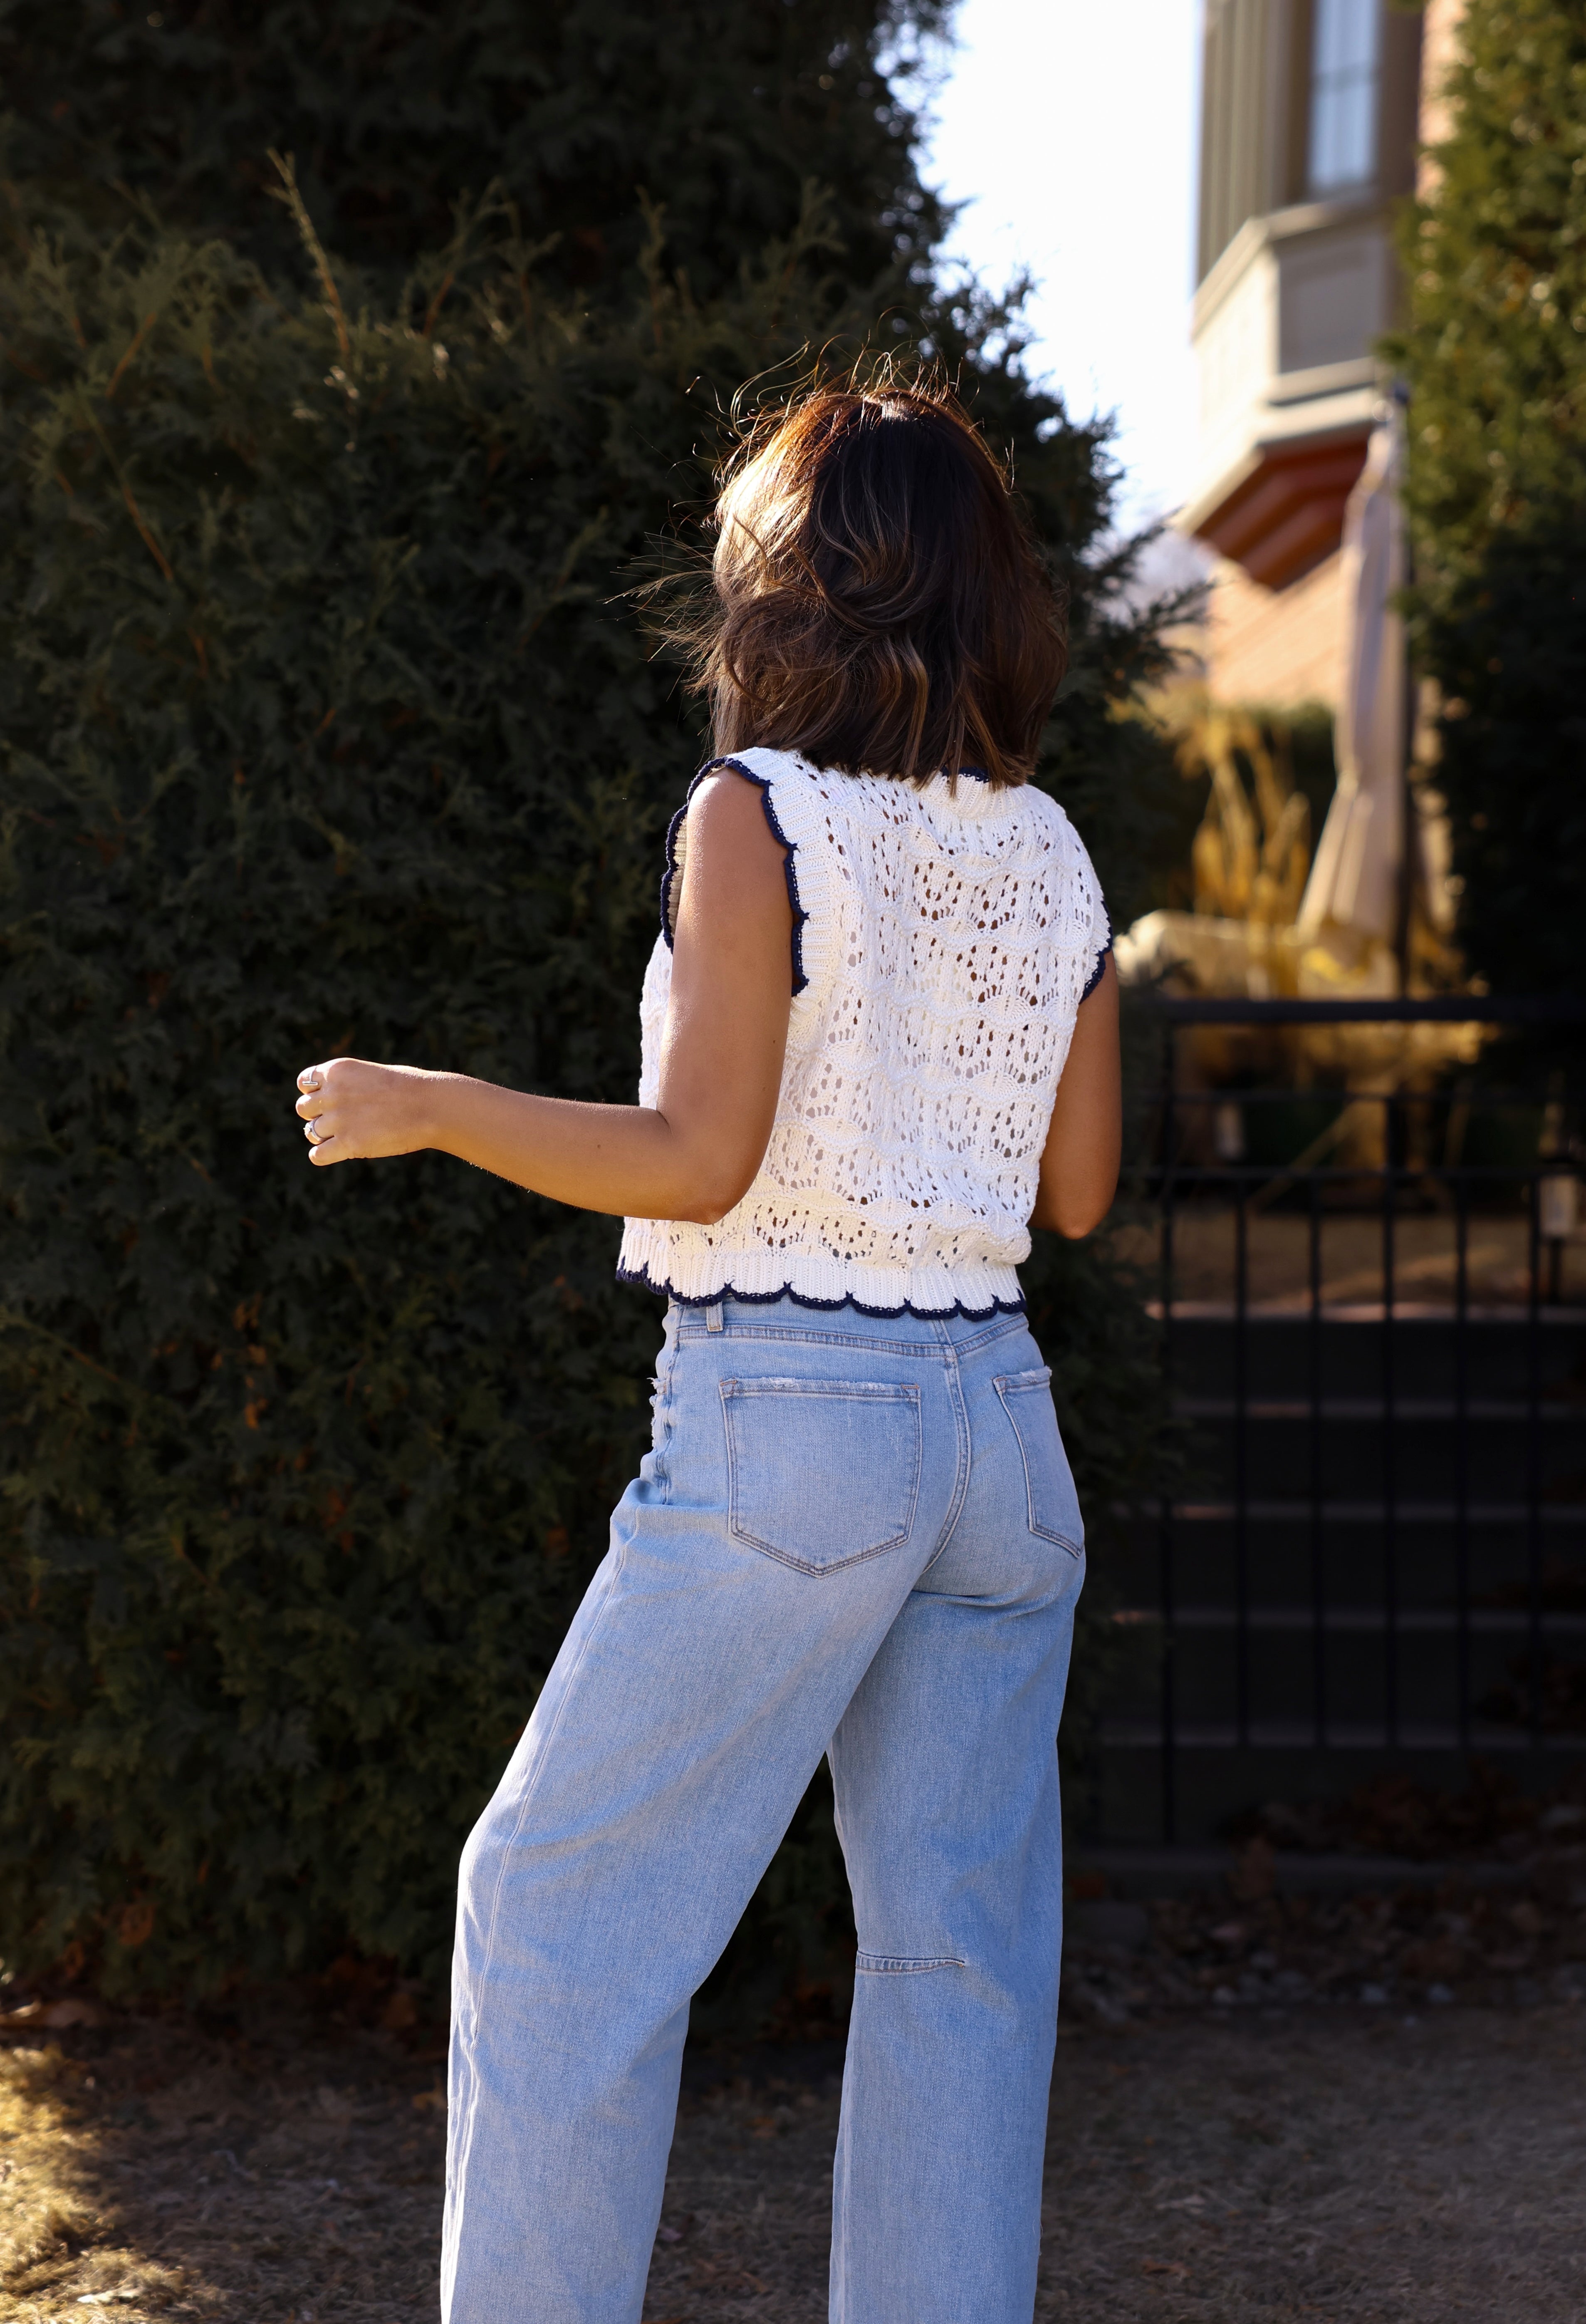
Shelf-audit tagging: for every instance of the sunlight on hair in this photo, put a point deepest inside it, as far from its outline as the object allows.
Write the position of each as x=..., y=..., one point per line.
x=875, y=599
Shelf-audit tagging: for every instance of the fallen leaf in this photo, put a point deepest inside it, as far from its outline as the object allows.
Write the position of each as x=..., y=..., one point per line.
x=57, y=2015
x=135, y=1922
x=1255, y=1875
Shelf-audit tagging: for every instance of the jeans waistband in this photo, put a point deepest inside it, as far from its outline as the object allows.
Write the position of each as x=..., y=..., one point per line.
x=788, y=1318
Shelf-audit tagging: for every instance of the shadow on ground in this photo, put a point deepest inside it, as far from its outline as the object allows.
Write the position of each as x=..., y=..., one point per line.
x=1377, y=2166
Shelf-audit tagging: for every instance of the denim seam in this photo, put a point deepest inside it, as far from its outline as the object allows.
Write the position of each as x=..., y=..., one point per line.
x=663, y=1413
x=790, y=1334
x=1003, y=1328
x=904, y=1393
x=1025, y=1381
x=954, y=1380
x=904, y=1964
x=466, y=2135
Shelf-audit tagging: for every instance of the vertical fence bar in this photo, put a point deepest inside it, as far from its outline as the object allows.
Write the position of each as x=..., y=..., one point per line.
x=1168, y=1740
x=1318, y=1540
x=1466, y=1187
x=1389, y=1446
x=1241, y=1480
x=1534, y=1460
x=1462, y=1456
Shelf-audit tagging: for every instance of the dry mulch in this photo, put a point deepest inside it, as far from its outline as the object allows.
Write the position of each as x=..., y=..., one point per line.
x=1240, y=2169
x=1267, y=2105
x=274, y=2171
x=1232, y=2164
x=1499, y=1919
x=1467, y=1938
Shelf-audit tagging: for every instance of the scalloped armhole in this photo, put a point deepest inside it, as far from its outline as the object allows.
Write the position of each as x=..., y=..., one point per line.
x=672, y=886
x=1099, y=971
x=1100, y=942
x=677, y=855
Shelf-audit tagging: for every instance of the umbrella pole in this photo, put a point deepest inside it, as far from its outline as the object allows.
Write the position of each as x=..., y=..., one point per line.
x=1409, y=813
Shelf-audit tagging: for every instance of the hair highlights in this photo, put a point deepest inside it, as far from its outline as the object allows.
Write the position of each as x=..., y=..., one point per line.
x=877, y=603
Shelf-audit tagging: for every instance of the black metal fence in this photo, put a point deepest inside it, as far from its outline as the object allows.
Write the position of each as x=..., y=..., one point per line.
x=1372, y=1289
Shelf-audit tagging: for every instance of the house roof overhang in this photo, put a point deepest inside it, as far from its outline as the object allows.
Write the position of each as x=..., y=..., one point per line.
x=1280, y=509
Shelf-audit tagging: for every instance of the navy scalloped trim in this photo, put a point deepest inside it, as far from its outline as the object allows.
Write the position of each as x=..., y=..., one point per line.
x=646, y=1282
x=1100, y=970
x=762, y=783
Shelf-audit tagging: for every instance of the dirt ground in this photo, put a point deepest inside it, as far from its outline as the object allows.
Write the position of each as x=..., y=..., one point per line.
x=1380, y=2165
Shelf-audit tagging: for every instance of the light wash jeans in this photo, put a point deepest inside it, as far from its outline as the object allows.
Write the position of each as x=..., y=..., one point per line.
x=857, y=1535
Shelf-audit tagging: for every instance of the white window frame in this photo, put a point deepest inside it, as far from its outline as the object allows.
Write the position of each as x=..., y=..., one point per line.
x=1346, y=79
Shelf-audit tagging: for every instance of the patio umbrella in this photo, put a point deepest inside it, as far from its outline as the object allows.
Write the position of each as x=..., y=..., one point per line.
x=1355, y=879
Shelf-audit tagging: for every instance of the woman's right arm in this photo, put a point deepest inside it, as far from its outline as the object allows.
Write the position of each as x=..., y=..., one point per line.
x=1084, y=1144
x=691, y=1155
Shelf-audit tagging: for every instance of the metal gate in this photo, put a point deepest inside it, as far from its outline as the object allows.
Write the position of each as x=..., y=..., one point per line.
x=1372, y=1290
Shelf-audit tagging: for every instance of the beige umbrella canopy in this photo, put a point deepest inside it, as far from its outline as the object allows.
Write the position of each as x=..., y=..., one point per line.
x=1267, y=919
x=1356, y=881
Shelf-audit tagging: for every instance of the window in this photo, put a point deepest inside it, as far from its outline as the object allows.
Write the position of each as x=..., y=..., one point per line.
x=1345, y=53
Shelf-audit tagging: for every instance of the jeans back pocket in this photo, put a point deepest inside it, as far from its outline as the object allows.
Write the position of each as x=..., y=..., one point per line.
x=1054, y=1505
x=822, y=1473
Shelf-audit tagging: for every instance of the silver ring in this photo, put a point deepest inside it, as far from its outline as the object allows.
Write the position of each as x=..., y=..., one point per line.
x=311, y=1131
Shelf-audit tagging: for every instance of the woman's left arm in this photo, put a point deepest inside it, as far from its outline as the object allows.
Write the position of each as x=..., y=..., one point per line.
x=694, y=1153
x=1084, y=1140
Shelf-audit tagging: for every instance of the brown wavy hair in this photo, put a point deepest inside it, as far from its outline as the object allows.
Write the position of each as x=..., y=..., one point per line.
x=877, y=601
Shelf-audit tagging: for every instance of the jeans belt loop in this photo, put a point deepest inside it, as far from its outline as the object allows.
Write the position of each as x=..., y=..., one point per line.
x=713, y=1317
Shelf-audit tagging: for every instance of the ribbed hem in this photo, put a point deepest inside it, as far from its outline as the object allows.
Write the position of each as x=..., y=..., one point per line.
x=972, y=1313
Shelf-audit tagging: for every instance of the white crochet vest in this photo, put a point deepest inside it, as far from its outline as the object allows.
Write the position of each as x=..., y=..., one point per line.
x=944, y=937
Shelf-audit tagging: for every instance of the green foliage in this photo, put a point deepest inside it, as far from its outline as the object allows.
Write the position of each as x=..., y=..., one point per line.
x=1495, y=352
x=322, y=732
x=724, y=110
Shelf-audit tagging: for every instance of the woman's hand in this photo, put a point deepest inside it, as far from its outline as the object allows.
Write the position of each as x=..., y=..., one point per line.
x=355, y=1111
x=694, y=1153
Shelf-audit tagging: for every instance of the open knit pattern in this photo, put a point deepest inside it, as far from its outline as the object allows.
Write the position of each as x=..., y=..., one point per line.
x=944, y=937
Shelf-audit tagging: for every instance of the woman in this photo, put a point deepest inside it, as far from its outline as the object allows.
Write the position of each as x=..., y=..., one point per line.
x=879, y=1042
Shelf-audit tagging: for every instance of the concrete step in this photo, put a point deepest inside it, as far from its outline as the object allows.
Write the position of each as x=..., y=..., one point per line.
x=1340, y=1465
x=1143, y=1873
x=1345, y=1353
x=1401, y=1410
x=1372, y=1621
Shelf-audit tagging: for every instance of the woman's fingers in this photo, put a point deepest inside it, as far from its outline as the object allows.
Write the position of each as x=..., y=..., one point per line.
x=313, y=1106
x=327, y=1139
x=364, y=1110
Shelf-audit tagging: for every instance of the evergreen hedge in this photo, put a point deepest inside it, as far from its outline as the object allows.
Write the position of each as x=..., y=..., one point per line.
x=1494, y=350
x=724, y=110
x=321, y=732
